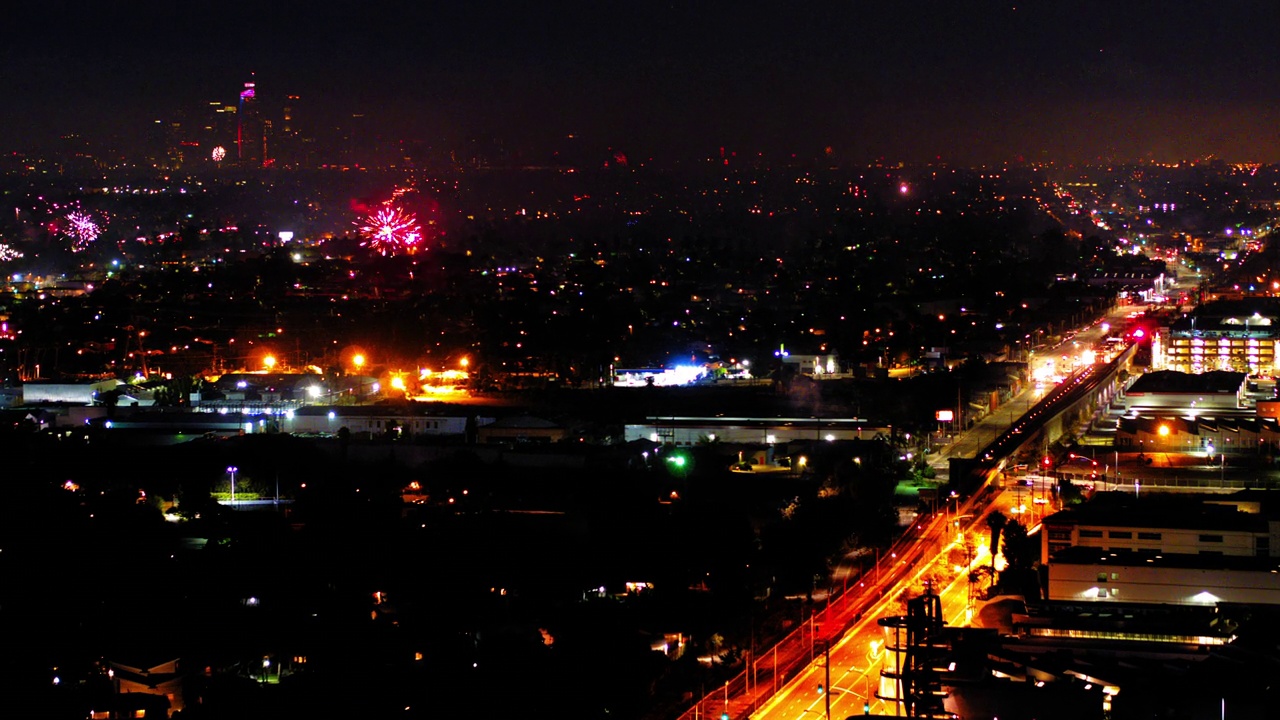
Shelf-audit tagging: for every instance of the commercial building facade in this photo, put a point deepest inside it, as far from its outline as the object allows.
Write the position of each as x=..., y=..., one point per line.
x=1236, y=335
x=1184, y=551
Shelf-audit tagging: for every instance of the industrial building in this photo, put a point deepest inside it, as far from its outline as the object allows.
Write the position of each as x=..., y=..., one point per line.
x=686, y=431
x=1233, y=435
x=1212, y=391
x=1178, y=550
x=415, y=420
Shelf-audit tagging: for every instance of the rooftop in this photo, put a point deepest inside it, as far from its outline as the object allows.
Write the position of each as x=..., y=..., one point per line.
x=1188, y=512
x=1253, y=315
x=1171, y=381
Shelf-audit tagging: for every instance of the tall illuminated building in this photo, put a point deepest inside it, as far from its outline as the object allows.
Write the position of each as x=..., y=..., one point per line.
x=287, y=143
x=290, y=104
x=220, y=124
x=251, y=136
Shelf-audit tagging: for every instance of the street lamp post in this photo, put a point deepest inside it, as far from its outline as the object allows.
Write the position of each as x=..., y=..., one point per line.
x=968, y=578
x=232, y=469
x=826, y=654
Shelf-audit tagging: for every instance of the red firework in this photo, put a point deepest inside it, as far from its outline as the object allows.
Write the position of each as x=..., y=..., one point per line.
x=391, y=231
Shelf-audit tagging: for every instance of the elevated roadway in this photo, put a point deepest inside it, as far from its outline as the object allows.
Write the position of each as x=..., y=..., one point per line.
x=1071, y=401
x=833, y=660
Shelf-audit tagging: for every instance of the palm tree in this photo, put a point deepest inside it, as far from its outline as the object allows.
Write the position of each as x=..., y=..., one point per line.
x=996, y=522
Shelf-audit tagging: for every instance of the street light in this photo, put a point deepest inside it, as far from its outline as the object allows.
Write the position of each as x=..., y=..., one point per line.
x=232, y=469
x=824, y=689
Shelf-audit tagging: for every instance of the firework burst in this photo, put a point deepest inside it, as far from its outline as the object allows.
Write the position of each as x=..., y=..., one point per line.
x=83, y=229
x=391, y=231
x=8, y=253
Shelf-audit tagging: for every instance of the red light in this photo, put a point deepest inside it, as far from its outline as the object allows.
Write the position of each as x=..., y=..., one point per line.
x=1138, y=333
x=1047, y=461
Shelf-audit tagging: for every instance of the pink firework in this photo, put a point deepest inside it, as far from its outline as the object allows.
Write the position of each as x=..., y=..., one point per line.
x=391, y=231
x=82, y=229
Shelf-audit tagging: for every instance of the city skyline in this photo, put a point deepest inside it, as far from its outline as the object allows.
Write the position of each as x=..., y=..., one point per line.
x=640, y=362
x=966, y=84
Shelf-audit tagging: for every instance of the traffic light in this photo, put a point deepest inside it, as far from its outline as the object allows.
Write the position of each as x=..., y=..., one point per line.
x=866, y=708
x=821, y=689
x=1048, y=461
x=724, y=716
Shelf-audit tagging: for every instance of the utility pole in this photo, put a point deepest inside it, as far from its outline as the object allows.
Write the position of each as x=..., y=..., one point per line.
x=826, y=652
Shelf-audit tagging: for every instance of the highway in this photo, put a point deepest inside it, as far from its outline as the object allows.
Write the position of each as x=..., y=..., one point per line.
x=844, y=680
x=784, y=681
x=857, y=658
x=942, y=548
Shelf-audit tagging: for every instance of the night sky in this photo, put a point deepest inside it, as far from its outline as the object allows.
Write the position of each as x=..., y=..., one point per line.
x=965, y=80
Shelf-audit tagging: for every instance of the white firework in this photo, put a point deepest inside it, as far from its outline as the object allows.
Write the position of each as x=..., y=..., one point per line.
x=82, y=229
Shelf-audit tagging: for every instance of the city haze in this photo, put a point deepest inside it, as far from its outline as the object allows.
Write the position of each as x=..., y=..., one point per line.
x=964, y=82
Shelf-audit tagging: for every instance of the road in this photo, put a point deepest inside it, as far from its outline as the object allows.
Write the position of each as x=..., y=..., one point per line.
x=987, y=429
x=857, y=659
x=944, y=552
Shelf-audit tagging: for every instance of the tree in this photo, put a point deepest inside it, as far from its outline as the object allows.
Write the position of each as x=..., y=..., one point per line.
x=980, y=572
x=996, y=522
x=1019, y=549
x=1069, y=493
